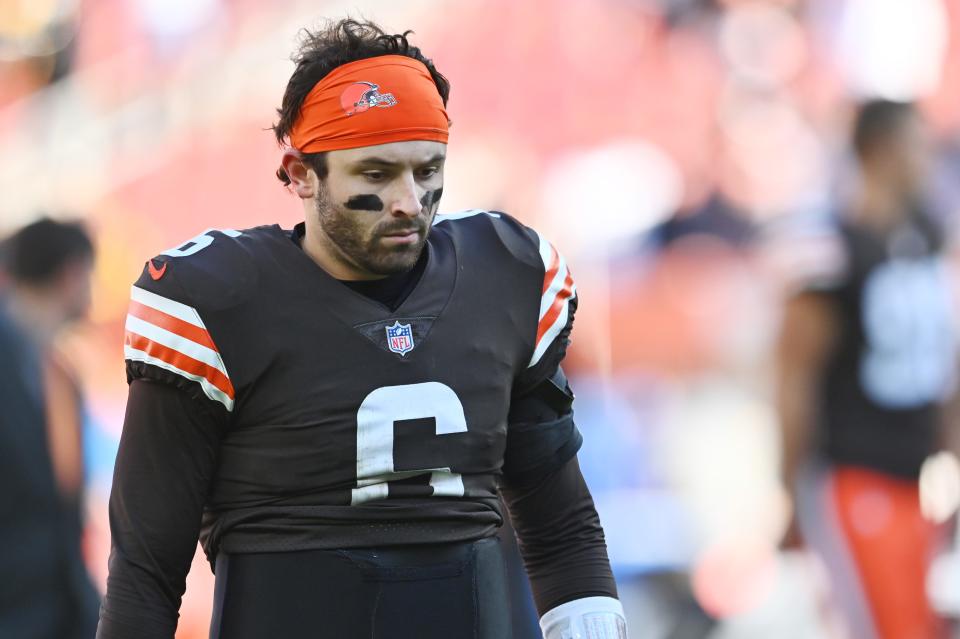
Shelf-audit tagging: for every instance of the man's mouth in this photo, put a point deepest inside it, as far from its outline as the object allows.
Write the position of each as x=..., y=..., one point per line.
x=405, y=236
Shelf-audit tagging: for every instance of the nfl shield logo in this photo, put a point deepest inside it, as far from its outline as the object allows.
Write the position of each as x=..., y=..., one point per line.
x=400, y=338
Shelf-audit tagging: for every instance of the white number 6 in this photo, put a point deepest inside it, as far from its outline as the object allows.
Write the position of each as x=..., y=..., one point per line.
x=375, y=423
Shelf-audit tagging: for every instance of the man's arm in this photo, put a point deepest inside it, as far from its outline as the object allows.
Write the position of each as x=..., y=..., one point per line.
x=560, y=536
x=561, y=539
x=807, y=334
x=167, y=456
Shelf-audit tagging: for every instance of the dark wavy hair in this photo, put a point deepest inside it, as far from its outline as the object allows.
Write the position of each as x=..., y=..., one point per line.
x=38, y=253
x=322, y=51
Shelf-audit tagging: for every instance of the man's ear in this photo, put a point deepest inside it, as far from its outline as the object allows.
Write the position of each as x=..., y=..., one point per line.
x=303, y=179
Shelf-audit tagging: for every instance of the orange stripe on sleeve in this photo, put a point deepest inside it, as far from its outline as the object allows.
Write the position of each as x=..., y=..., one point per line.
x=174, y=325
x=555, y=308
x=183, y=362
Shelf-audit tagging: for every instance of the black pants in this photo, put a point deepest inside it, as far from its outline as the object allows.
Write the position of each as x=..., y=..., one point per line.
x=444, y=591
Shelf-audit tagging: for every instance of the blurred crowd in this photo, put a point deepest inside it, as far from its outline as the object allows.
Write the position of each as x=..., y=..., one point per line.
x=697, y=161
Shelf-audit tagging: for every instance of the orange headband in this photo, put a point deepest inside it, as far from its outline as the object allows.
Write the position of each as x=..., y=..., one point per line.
x=389, y=98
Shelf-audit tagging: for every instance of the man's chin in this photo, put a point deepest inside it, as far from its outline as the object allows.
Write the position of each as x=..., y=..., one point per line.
x=399, y=262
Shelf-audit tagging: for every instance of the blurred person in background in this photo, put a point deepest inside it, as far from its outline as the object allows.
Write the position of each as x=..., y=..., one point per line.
x=334, y=410
x=866, y=365
x=45, y=591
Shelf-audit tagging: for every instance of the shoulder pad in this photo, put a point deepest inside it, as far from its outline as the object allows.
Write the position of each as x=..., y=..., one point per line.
x=532, y=250
x=503, y=231
x=213, y=270
x=168, y=336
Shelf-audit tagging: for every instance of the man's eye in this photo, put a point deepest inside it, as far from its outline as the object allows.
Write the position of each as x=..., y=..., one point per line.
x=374, y=176
x=428, y=172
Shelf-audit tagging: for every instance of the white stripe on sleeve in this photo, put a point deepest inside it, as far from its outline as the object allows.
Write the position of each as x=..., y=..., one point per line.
x=209, y=389
x=176, y=342
x=165, y=305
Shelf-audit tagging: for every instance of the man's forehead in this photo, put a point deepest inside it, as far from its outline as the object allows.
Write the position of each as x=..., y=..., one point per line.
x=409, y=152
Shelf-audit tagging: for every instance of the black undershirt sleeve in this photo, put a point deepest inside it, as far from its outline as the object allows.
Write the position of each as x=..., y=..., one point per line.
x=557, y=525
x=167, y=457
x=560, y=538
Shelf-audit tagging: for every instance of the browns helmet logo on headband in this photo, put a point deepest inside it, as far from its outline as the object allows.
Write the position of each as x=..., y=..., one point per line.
x=360, y=96
x=325, y=122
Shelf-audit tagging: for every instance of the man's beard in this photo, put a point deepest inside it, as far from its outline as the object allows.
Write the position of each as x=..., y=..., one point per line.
x=370, y=253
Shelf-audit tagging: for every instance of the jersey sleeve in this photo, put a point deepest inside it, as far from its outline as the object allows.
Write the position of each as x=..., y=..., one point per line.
x=167, y=340
x=558, y=303
x=542, y=435
x=186, y=323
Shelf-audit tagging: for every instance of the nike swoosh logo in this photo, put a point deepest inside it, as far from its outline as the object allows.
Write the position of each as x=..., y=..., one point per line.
x=156, y=273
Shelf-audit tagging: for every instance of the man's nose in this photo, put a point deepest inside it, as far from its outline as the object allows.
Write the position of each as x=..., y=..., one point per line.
x=406, y=198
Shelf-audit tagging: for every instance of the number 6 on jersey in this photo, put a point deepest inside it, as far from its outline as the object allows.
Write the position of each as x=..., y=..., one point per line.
x=379, y=412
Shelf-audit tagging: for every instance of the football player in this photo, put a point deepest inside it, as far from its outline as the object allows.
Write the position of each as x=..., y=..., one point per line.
x=336, y=410
x=867, y=357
